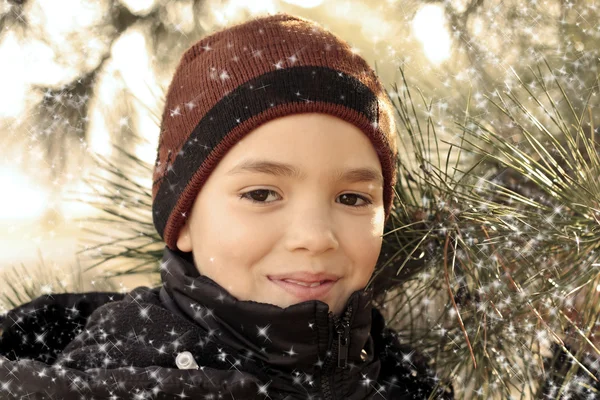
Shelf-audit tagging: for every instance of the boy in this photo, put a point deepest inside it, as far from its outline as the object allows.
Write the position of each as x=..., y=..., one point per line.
x=272, y=184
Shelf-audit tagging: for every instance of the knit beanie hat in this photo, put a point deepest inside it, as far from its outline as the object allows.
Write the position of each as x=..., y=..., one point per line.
x=230, y=82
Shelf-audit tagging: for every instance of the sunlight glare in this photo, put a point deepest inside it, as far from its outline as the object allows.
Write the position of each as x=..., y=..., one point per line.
x=233, y=10
x=304, y=3
x=430, y=28
x=21, y=200
x=12, y=81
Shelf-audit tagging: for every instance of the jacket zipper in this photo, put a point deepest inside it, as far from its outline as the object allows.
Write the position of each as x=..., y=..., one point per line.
x=339, y=350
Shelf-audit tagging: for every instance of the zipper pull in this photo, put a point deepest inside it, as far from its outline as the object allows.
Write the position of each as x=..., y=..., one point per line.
x=343, y=346
x=343, y=331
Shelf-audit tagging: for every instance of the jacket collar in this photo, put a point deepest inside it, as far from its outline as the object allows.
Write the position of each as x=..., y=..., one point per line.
x=298, y=337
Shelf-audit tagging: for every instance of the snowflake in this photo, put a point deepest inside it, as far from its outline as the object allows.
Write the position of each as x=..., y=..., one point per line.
x=263, y=332
x=175, y=112
x=291, y=351
x=263, y=389
x=47, y=289
x=144, y=313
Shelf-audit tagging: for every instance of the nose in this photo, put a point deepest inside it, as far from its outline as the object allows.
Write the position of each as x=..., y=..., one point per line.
x=312, y=231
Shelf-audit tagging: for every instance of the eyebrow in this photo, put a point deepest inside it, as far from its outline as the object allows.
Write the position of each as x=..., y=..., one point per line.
x=355, y=175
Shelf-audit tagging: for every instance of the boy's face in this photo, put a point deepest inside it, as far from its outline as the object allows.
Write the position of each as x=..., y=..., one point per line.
x=312, y=223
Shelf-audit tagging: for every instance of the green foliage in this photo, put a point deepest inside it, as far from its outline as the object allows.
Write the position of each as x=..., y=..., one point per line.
x=22, y=284
x=506, y=232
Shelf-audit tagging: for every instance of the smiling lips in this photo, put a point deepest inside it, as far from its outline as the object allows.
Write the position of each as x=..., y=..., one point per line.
x=306, y=286
x=305, y=277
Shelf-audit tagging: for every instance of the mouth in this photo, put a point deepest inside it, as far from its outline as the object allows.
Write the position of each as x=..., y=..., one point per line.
x=305, y=291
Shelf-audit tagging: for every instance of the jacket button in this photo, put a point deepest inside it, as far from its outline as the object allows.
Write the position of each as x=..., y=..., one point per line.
x=185, y=360
x=363, y=355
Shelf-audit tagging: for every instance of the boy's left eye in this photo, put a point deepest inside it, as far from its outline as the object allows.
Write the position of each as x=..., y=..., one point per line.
x=356, y=198
x=260, y=195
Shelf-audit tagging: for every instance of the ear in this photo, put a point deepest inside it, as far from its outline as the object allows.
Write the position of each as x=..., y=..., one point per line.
x=184, y=241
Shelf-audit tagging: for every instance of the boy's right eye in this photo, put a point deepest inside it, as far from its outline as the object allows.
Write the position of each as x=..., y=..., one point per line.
x=257, y=196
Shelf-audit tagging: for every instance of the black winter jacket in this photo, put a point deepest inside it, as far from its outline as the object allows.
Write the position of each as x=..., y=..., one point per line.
x=189, y=338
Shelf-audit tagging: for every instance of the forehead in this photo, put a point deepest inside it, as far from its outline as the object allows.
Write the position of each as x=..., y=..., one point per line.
x=319, y=133
x=292, y=145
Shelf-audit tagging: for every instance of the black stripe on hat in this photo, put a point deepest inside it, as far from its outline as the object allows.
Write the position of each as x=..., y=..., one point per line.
x=289, y=85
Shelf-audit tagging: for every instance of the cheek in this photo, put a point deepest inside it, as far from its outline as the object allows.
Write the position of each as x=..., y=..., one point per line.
x=243, y=234
x=235, y=240
x=363, y=244
x=221, y=226
x=372, y=234
x=370, y=253
x=378, y=222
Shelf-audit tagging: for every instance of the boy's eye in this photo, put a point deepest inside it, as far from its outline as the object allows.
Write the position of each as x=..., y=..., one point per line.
x=354, y=198
x=257, y=196
x=260, y=196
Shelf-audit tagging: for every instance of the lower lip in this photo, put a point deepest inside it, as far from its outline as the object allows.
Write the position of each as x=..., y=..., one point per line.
x=305, y=293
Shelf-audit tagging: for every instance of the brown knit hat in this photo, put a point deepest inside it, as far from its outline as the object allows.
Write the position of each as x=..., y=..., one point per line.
x=232, y=81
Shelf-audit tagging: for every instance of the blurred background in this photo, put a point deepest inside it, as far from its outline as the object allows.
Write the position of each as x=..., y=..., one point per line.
x=79, y=77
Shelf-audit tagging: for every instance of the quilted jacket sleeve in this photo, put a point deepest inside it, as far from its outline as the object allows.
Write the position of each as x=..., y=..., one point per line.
x=35, y=380
x=40, y=329
x=36, y=333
